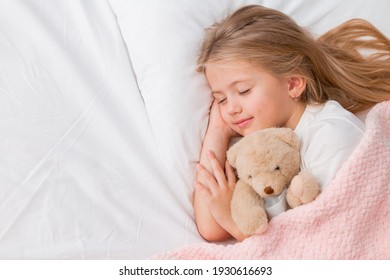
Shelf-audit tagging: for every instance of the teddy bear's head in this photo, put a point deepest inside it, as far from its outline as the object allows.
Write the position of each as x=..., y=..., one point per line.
x=267, y=160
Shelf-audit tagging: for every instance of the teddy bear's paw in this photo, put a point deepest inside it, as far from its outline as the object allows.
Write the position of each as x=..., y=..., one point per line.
x=303, y=189
x=256, y=228
x=292, y=199
x=261, y=228
x=256, y=222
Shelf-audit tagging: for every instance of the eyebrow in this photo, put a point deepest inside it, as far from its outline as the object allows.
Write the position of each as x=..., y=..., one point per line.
x=216, y=92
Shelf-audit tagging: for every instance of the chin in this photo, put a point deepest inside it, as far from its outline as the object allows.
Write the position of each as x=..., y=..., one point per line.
x=247, y=132
x=250, y=131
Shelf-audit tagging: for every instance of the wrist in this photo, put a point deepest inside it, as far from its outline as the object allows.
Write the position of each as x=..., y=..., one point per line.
x=230, y=226
x=221, y=132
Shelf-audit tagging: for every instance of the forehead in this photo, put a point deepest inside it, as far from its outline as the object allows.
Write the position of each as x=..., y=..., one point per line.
x=225, y=74
x=222, y=69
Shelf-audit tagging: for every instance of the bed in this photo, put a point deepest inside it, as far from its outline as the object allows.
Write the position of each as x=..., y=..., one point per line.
x=102, y=116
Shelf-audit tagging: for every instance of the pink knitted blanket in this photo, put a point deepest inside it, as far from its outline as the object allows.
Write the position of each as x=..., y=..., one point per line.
x=349, y=220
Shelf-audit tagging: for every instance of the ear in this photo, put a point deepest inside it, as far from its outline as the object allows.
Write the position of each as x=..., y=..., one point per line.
x=296, y=86
x=288, y=136
x=232, y=154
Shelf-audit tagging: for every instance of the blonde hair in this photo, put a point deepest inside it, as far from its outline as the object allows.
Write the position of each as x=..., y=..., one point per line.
x=349, y=64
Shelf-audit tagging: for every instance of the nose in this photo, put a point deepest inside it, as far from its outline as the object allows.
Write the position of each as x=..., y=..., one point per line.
x=234, y=107
x=269, y=190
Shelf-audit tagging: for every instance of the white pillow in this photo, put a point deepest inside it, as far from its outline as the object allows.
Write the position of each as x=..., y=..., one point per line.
x=163, y=38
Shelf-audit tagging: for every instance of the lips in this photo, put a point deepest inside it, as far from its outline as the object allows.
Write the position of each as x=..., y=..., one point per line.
x=243, y=122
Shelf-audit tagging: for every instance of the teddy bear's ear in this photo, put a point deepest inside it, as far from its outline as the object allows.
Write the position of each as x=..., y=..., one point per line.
x=232, y=153
x=288, y=136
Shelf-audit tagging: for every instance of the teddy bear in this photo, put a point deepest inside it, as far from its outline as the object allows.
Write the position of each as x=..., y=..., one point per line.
x=267, y=163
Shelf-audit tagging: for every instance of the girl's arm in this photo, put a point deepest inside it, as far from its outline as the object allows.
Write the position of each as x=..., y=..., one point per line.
x=214, y=188
x=216, y=141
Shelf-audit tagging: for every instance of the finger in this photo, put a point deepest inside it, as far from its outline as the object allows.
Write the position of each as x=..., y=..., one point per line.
x=219, y=173
x=204, y=193
x=209, y=179
x=214, y=104
x=230, y=175
x=202, y=190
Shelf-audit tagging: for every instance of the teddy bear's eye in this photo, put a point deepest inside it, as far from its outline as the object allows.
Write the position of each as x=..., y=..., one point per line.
x=277, y=168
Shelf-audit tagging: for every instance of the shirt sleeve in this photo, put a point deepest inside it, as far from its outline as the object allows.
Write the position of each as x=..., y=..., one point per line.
x=330, y=143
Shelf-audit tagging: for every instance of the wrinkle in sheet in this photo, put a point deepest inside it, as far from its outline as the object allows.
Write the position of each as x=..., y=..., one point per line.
x=8, y=92
x=32, y=182
x=81, y=65
x=19, y=200
x=32, y=88
x=139, y=226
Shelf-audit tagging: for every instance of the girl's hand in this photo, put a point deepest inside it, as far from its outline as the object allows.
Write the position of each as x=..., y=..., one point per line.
x=214, y=188
x=217, y=190
x=216, y=121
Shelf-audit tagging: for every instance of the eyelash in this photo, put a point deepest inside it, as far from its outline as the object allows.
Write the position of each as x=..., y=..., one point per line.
x=240, y=93
x=244, y=91
x=221, y=101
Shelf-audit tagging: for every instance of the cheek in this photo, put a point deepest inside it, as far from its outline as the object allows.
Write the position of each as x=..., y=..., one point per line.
x=227, y=118
x=264, y=109
x=224, y=114
x=255, y=104
x=254, y=108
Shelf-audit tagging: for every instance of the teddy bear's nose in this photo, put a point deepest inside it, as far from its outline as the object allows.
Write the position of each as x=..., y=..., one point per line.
x=269, y=190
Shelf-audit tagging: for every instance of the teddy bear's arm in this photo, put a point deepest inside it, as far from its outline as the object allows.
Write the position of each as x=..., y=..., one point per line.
x=248, y=210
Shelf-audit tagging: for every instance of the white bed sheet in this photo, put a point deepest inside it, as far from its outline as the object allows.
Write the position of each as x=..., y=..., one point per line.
x=90, y=167
x=80, y=174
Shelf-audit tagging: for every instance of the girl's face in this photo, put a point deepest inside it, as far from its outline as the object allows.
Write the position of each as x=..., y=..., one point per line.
x=251, y=99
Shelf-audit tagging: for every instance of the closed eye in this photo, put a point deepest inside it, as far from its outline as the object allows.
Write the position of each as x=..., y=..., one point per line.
x=220, y=101
x=244, y=91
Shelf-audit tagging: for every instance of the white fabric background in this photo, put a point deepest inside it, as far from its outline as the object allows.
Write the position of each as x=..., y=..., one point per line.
x=102, y=116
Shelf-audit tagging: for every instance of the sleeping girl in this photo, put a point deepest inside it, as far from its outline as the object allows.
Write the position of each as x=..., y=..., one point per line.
x=266, y=71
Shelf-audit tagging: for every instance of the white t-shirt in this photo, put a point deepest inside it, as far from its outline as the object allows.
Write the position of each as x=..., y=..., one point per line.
x=328, y=134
